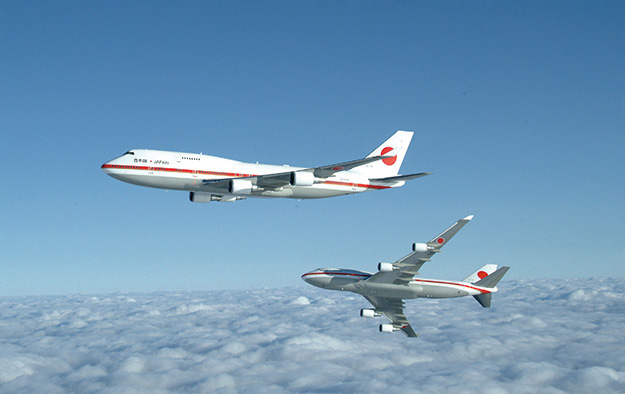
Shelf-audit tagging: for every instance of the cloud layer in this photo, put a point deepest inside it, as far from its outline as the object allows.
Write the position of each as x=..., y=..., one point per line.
x=552, y=336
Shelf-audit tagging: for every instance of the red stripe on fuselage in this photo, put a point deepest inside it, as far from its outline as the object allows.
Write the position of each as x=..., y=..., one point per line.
x=335, y=273
x=228, y=174
x=452, y=283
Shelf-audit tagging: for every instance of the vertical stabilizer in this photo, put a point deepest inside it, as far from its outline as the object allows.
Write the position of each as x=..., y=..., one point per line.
x=481, y=273
x=395, y=147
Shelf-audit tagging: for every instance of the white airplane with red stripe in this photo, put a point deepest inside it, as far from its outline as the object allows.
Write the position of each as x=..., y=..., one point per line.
x=394, y=282
x=211, y=178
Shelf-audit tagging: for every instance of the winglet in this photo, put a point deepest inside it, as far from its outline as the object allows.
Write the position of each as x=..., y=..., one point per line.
x=468, y=218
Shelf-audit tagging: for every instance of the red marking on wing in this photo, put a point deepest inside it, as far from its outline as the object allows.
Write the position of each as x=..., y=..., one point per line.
x=440, y=240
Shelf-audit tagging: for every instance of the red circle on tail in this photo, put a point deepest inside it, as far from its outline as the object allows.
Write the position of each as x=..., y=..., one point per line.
x=391, y=160
x=482, y=274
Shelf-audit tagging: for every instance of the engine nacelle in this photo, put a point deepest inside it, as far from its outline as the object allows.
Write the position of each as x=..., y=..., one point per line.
x=385, y=267
x=200, y=197
x=416, y=247
x=240, y=186
x=302, y=178
x=388, y=328
x=369, y=313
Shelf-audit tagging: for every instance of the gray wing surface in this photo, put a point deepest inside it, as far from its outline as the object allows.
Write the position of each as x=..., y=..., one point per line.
x=393, y=309
x=397, y=178
x=268, y=181
x=329, y=170
x=408, y=266
x=281, y=179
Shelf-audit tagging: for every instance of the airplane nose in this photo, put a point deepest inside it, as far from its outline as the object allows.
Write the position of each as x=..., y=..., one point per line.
x=108, y=167
x=308, y=277
x=315, y=278
x=114, y=168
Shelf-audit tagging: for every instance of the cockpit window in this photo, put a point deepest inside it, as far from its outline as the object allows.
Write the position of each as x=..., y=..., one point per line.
x=129, y=153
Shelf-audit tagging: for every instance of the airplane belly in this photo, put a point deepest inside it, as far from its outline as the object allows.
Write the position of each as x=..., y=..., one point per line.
x=155, y=180
x=388, y=290
x=322, y=190
x=439, y=291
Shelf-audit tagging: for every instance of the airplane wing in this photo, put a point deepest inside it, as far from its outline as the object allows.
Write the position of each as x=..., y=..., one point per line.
x=278, y=180
x=408, y=266
x=269, y=181
x=329, y=170
x=393, y=179
x=393, y=309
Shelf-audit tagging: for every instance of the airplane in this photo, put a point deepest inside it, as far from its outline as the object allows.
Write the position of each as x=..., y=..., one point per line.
x=393, y=282
x=209, y=178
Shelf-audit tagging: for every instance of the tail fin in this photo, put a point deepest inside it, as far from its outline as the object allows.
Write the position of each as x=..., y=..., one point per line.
x=481, y=273
x=396, y=146
x=490, y=281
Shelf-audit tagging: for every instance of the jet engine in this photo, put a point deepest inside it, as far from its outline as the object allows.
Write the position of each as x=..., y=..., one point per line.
x=416, y=247
x=388, y=328
x=302, y=178
x=240, y=186
x=369, y=313
x=385, y=267
x=201, y=197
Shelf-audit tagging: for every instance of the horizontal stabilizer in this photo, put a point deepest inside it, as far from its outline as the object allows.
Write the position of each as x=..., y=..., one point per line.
x=484, y=299
x=397, y=178
x=491, y=280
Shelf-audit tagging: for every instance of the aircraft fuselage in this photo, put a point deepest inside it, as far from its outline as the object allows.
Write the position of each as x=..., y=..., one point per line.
x=188, y=171
x=355, y=281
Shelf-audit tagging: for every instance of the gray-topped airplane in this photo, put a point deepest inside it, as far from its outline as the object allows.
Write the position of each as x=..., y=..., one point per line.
x=393, y=282
x=210, y=178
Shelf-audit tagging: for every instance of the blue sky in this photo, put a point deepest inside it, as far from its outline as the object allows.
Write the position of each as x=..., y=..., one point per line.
x=518, y=109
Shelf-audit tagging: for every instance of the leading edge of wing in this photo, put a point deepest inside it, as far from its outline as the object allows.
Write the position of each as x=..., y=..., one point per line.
x=407, y=267
x=331, y=169
x=397, y=178
x=393, y=309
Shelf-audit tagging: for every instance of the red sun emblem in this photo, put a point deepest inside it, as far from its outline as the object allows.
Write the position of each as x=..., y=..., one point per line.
x=391, y=160
x=482, y=274
x=440, y=240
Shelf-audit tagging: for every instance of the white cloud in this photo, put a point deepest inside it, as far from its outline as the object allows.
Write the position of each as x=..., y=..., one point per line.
x=552, y=336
